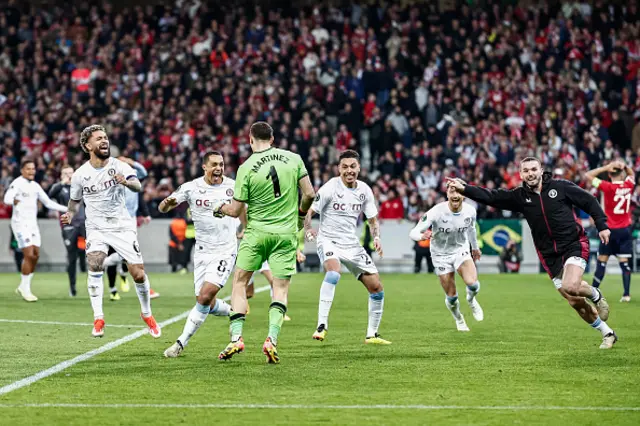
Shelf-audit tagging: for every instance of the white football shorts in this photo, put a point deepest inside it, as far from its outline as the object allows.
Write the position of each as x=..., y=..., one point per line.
x=26, y=233
x=573, y=260
x=124, y=242
x=214, y=268
x=445, y=264
x=355, y=258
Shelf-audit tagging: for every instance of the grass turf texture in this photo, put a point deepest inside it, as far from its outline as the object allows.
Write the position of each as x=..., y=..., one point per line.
x=532, y=350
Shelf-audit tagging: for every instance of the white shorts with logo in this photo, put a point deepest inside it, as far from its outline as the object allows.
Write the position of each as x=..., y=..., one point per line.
x=124, y=242
x=574, y=260
x=355, y=258
x=26, y=233
x=214, y=268
x=445, y=264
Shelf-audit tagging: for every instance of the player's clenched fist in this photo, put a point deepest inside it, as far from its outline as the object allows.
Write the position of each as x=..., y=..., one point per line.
x=120, y=179
x=65, y=219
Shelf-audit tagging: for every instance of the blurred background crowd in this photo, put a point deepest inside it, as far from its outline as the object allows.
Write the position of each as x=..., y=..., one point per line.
x=422, y=93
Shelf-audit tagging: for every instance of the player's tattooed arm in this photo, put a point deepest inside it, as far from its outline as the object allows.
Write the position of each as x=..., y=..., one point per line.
x=309, y=233
x=234, y=209
x=374, y=227
x=72, y=209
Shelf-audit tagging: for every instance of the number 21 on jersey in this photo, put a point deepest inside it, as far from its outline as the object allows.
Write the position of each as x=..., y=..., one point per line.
x=623, y=202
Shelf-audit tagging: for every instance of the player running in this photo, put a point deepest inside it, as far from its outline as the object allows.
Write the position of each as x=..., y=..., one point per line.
x=23, y=194
x=548, y=206
x=101, y=182
x=73, y=232
x=451, y=226
x=616, y=202
x=268, y=183
x=340, y=202
x=216, y=243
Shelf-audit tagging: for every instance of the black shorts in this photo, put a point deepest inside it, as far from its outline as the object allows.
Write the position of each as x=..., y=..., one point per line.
x=620, y=243
x=554, y=264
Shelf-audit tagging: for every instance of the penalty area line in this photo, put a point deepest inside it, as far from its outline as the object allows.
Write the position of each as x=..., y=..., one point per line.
x=329, y=407
x=27, y=381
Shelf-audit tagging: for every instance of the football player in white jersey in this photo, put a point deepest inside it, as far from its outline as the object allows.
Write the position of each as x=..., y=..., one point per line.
x=216, y=243
x=23, y=194
x=340, y=202
x=101, y=182
x=451, y=226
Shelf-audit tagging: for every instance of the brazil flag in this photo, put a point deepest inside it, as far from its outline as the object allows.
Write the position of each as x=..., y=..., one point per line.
x=495, y=233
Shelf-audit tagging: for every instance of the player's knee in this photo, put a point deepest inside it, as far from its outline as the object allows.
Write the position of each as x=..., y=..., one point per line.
x=332, y=277
x=137, y=274
x=208, y=294
x=572, y=286
x=95, y=263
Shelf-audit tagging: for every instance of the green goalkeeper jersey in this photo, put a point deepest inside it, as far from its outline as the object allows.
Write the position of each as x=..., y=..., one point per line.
x=268, y=183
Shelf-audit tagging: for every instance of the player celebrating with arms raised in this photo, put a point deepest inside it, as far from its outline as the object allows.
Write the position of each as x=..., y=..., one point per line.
x=548, y=206
x=101, y=182
x=340, y=202
x=453, y=229
x=216, y=243
x=268, y=183
x=616, y=202
x=23, y=194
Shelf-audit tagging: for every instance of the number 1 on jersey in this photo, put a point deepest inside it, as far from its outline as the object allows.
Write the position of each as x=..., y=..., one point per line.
x=273, y=175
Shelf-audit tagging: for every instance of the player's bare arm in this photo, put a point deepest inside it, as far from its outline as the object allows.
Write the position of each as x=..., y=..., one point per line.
x=234, y=209
x=243, y=223
x=133, y=183
x=168, y=204
x=310, y=234
x=592, y=174
x=374, y=227
x=308, y=194
x=72, y=209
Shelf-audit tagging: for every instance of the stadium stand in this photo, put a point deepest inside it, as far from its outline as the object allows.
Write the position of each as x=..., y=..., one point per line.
x=421, y=93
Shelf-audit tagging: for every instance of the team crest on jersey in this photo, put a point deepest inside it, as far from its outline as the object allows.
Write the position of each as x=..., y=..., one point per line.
x=467, y=220
x=112, y=172
x=362, y=197
x=317, y=197
x=229, y=192
x=553, y=193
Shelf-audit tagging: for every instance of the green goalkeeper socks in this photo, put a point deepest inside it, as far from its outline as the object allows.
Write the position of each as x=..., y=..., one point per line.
x=236, y=322
x=276, y=318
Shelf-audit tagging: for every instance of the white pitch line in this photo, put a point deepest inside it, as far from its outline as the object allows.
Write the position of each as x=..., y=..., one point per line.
x=27, y=381
x=66, y=323
x=330, y=407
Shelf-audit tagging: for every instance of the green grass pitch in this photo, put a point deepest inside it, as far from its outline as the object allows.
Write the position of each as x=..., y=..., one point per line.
x=530, y=357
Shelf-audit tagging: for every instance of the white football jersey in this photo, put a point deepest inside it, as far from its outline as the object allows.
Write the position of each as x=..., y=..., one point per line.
x=215, y=235
x=28, y=193
x=450, y=231
x=104, y=199
x=340, y=207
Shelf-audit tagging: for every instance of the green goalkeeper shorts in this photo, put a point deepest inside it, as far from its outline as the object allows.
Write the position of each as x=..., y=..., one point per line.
x=278, y=249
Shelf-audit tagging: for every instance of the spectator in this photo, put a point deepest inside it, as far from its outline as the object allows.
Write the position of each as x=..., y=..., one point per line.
x=510, y=258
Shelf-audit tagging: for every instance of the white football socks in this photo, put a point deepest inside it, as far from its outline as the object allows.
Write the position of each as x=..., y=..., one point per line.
x=25, y=282
x=142, y=289
x=453, y=304
x=196, y=318
x=96, y=290
x=376, y=306
x=327, y=292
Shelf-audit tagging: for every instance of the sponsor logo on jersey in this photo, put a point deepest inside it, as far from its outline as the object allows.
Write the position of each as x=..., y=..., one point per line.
x=339, y=195
x=343, y=207
x=99, y=187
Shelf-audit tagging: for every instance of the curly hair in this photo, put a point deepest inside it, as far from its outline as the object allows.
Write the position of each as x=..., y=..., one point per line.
x=86, y=134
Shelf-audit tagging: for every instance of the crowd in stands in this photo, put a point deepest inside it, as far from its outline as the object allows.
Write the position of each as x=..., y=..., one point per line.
x=421, y=93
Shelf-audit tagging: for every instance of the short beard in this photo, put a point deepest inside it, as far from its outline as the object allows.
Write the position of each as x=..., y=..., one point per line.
x=101, y=156
x=534, y=186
